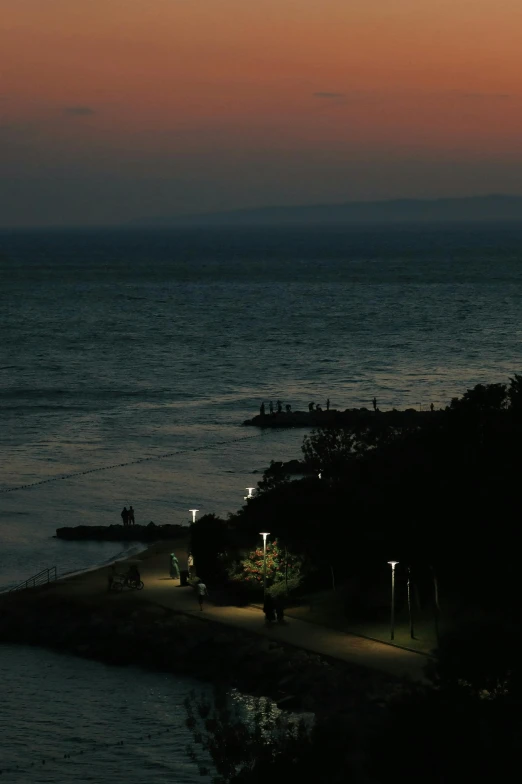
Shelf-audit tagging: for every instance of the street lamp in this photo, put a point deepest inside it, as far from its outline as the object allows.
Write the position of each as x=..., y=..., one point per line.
x=250, y=493
x=264, y=562
x=194, y=513
x=393, y=564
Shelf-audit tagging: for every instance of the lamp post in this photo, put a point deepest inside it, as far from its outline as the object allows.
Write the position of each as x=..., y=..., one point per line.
x=264, y=562
x=250, y=491
x=393, y=564
x=194, y=513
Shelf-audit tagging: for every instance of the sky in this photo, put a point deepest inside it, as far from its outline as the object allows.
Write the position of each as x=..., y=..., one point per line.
x=112, y=110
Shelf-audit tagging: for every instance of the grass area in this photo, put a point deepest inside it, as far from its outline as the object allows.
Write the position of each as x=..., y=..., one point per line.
x=328, y=609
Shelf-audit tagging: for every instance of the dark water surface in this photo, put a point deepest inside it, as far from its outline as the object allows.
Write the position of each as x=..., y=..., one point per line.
x=118, y=346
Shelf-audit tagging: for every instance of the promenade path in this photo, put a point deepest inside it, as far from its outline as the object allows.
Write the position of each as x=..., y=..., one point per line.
x=163, y=591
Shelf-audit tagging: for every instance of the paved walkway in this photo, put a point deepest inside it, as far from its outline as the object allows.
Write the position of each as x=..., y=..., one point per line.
x=162, y=590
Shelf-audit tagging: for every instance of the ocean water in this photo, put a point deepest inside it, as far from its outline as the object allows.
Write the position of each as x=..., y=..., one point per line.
x=66, y=719
x=125, y=346
x=128, y=362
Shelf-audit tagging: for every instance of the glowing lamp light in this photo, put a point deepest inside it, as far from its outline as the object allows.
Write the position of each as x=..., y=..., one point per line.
x=250, y=491
x=264, y=535
x=393, y=564
x=194, y=513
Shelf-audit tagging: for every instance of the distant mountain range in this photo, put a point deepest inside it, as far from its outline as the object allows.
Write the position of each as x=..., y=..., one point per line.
x=491, y=208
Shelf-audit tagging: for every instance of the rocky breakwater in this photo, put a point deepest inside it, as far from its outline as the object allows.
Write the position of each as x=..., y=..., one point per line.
x=120, y=632
x=352, y=418
x=121, y=533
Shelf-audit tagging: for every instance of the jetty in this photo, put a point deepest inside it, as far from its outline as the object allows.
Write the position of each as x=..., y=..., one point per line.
x=121, y=533
x=354, y=418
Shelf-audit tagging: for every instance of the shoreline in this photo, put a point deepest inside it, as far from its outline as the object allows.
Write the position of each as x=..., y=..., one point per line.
x=76, y=615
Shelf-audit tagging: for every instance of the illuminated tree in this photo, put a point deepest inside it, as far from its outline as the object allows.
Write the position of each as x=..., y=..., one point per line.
x=283, y=569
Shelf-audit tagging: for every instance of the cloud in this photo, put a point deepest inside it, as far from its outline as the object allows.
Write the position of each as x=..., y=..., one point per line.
x=329, y=95
x=78, y=111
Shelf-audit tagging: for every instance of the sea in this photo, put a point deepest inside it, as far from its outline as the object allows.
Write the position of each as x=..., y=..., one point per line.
x=130, y=358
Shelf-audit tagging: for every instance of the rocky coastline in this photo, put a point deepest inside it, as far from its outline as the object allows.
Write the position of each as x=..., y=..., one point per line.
x=158, y=638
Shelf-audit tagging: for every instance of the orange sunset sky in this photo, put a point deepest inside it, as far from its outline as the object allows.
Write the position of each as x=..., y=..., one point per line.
x=117, y=109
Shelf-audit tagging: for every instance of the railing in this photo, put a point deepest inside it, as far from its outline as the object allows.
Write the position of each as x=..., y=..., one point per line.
x=42, y=578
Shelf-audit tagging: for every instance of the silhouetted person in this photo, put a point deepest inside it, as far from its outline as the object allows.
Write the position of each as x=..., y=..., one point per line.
x=432, y=407
x=311, y=407
x=132, y=521
x=271, y=407
x=288, y=408
x=374, y=401
x=279, y=604
x=125, y=515
x=328, y=404
x=190, y=564
x=269, y=609
x=262, y=409
x=318, y=407
x=133, y=575
x=174, y=566
x=110, y=576
x=201, y=590
x=279, y=407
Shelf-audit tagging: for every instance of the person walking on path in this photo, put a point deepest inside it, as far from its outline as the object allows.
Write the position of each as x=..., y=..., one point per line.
x=190, y=564
x=174, y=566
x=125, y=516
x=269, y=608
x=132, y=521
x=279, y=605
x=201, y=590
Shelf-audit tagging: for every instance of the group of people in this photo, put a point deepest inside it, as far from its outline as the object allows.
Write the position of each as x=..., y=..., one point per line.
x=274, y=609
x=278, y=408
x=317, y=407
x=175, y=573
x=127, y=515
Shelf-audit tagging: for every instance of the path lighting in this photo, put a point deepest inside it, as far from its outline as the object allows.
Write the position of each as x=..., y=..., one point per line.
x=393, y=564
x=194, y=513
x=264, y=562
x=250, y=491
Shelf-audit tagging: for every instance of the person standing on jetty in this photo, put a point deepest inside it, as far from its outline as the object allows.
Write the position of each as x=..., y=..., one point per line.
x=125, y=516
x=374, y=401
x=262, y=409
x=132, y=521
x=328, y=404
